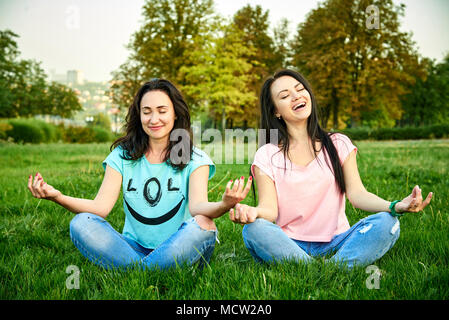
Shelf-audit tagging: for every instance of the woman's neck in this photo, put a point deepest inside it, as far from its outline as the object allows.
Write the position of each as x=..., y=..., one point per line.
x=298, y=133
x=157, y=149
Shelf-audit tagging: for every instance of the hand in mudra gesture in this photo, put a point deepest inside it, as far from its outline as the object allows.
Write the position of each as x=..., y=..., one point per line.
x=238, y=192
x=40, y=189
x=414, y=202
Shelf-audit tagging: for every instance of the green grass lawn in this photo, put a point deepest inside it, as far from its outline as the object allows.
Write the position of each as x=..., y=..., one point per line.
x=35, y=247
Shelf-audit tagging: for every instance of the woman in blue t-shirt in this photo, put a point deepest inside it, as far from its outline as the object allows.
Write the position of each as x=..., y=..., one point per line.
x=157, y=165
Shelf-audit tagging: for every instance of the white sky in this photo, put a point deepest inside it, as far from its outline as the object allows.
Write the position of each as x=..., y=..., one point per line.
x=90, y=35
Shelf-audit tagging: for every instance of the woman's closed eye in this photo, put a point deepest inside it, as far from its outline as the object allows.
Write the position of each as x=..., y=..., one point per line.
x=287, y=95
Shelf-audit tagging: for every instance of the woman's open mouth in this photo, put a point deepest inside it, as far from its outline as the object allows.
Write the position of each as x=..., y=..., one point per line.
x=299, y=106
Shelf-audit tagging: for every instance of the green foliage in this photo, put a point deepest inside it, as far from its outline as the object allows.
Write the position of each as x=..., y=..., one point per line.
x=401, y=133
x=4, y=127
x=101, y=134
x=61, y=100
x=178, y=29
x=358, y=73
x=24, y=90
x=30, y=130
x=76, y=134
x=38, y=131
x=219, y=81
x=102, y=120
x=428, y=99
x=204, y=54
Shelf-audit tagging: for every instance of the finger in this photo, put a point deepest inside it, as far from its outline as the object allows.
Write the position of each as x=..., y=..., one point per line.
x=415, y=191
x=419, y=195
x=237, y=212
x=231, y=215
x=35, y=180
x=39, y=188
x=35, y=185
x=30, y=185
x=427, y=201
x=228, y=185
x=243, y=214
x=241, y=184
x=248, y=187
x=236, y=185
x=30, y=180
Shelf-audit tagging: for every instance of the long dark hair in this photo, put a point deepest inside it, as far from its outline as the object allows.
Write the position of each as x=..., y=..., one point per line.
x=136, y=142
x=314, y=131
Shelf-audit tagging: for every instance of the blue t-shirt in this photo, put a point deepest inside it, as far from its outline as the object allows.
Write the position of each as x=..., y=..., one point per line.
x=155, y=196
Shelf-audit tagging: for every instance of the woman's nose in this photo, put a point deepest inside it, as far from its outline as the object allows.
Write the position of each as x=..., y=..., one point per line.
x=295, y=95
x=154, y=118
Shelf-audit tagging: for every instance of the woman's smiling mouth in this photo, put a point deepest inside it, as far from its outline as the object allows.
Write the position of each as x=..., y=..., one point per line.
x=299, y=106
x=155, y=128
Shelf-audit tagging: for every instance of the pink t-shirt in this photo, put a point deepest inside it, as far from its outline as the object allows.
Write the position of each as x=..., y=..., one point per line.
x=311, y=208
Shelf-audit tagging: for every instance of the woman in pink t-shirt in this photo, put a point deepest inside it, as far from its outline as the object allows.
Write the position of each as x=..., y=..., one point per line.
x=302, y=177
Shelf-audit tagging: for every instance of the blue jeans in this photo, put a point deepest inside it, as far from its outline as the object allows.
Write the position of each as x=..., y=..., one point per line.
x=98, y=241
x=365, y=242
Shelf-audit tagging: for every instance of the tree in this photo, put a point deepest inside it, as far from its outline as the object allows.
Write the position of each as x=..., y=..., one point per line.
x=428, y=100
x=266, y=56
x=61, y=101
x=359, y=72
x=172, y=31
x=24, y=90
x=220, y=81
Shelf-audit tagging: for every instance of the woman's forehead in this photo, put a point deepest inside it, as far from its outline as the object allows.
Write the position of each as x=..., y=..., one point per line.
x=284, y=83
x=155, y=98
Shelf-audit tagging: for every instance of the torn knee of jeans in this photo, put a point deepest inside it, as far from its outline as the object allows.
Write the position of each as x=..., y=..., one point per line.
x=365, y=229
x=395, y=228
x=205, y=223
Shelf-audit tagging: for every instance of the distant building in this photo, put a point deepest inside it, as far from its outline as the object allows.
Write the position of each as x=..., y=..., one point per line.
x=75, y=77
x=62, y=78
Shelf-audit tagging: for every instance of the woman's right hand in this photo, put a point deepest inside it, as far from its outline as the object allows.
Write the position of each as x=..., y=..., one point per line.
x=243, y=214
x=40, y=189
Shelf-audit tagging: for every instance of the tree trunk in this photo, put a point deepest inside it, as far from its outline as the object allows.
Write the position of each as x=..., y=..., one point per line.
x=335, y=107
x=223, y=120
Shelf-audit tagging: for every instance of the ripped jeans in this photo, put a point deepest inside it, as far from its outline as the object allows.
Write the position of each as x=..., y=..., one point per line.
x=365, y=242
x=98, y=241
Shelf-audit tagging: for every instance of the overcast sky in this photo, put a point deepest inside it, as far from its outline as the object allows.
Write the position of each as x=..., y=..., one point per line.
x=90, y=35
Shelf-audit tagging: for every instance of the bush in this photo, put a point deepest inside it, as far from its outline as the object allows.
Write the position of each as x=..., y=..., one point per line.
x=102, y=135
x=404, y=133
x=4, y=127
x=73, y=134
x=51, y=132
x=440, y=131
x=26, y=130
x=357, y=133
x=38, y=131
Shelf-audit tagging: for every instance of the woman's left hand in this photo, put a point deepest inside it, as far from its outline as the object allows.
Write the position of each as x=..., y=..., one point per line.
x=235, y=194
x=414, y=202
